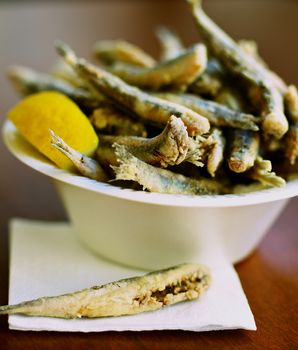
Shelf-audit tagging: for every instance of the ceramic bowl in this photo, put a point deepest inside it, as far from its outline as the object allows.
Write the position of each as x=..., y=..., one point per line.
x=151, y=230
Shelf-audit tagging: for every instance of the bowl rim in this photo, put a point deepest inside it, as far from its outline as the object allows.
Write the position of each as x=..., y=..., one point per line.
x=28, y=155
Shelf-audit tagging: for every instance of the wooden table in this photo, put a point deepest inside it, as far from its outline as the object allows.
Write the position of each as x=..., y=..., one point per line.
x=269, y=276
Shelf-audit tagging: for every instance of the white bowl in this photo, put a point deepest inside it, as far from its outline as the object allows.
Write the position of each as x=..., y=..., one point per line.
x=151, y=230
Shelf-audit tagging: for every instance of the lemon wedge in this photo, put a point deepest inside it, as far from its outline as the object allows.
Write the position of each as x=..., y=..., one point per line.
x=36, y=114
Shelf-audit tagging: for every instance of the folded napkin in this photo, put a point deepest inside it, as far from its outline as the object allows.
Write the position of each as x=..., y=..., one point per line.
x=47, y=259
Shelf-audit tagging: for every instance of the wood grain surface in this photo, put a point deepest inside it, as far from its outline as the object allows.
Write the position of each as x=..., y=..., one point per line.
x=269, y=276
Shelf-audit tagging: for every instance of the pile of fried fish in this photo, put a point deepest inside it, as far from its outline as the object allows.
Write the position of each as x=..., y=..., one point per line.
x=207, y=119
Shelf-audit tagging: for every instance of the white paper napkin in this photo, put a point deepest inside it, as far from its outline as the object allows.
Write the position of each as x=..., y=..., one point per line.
x=47, y=259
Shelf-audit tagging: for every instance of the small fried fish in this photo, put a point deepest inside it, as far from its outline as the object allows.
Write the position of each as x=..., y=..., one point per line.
x=260, y=88
x=170, y=42
x=170, y=147
x=28, y=81
x=244, y=148
x=85, y=165
x=111, y=51
x=217, y=114
x=176, y=73
x=160, y=180
x=146, y=107
x=124, y=297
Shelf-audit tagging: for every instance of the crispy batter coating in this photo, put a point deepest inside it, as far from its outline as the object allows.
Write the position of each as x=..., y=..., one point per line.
x=291, y=143
x=244, y=148
x=124, y=297
x=170, y=147
x=85, y=165
x=160, y=180
x=176, y=73
x=107, y=119
x=217, y=114
x=216, y=153
x=211, y=81
x=260, y=88
x=110, y=51
x=262, y=172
